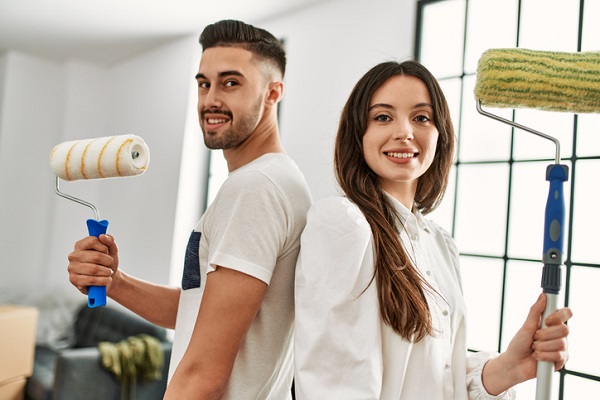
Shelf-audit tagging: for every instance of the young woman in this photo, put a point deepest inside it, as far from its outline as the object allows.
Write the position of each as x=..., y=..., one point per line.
x=379, y=306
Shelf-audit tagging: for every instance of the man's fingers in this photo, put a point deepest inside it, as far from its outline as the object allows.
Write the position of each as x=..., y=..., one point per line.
x=83, y=275
x=91, y=256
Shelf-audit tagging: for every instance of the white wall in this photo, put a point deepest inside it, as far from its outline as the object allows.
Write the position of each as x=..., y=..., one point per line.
x=43, y=103
x=32, y=109
x=329, y=47
x=3, y=62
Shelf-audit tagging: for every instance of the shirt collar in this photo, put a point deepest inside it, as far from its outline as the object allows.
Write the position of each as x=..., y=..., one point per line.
x=407, y=215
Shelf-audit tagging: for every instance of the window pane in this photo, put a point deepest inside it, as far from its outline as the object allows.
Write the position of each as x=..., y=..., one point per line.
x=490, y=24
x=452, y=91
x=586, y=218
x=527, y=210
x=523, y=286
x=549, y=24
x=481, y=208
x=482, y=138
x=588, y=137
x=527, y=390
x=217, y=174
x=591, y=28
x=482, y=287
x=442, y=37
x=558, y=125
x=580, y=388
x=584, y=298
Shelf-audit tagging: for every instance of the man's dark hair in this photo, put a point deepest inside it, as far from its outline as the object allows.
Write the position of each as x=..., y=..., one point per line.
x=232, y=33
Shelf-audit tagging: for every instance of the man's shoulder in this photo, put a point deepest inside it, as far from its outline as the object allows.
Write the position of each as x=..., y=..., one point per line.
x=275, y=170
x=269, y=164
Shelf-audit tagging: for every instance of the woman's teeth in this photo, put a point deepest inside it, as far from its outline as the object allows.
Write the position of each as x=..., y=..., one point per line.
x=401, y=155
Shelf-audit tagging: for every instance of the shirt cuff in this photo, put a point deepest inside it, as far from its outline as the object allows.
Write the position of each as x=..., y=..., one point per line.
x=477, y=390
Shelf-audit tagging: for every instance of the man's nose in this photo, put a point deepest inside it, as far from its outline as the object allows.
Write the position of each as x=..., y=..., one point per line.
x=212, y=99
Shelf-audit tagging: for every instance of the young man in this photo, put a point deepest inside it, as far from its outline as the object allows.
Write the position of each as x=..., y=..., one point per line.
x=233, y=315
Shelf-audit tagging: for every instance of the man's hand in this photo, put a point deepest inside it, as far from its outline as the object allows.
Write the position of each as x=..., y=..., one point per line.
x=93, y=262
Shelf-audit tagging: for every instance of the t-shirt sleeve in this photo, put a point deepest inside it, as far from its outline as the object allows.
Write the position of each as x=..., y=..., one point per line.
x=248, y=227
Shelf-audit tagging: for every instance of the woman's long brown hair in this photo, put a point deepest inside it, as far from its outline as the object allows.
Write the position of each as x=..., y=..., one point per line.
x=401, y=289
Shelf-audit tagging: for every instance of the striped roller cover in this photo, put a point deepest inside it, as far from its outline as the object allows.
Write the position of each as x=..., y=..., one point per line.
x=105, y=157
x=546, y=80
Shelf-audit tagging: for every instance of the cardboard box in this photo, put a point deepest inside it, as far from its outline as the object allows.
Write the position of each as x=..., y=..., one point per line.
x=17, y=341
x=13, y=389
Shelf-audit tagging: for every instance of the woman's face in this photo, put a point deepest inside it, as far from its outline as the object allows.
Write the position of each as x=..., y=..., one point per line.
x=400, y=141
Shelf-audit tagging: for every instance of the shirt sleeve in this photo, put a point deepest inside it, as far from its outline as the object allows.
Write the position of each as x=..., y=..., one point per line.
x=248, y=228
x=475, y=364
x=337, y=346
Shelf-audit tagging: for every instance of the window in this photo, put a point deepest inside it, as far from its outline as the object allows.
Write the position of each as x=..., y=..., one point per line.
x=495, y=205
x=217, y=174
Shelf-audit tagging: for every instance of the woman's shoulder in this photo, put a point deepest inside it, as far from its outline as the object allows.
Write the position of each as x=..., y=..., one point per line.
x=337, y=214
x=337, y=209
x=336, y=239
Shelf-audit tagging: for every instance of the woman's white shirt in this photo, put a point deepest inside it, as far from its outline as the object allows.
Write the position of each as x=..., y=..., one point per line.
x=343, y=349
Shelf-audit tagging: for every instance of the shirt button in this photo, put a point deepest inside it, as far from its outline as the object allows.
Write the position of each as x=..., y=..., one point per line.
x=445, y=312
x=447, y=365
x=415, y=237
x=428, y=272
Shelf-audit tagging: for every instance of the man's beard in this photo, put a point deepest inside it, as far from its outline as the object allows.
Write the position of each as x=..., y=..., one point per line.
x=237, y=133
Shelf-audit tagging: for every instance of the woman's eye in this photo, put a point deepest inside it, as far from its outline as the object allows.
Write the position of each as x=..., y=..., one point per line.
x=422, y=118
x=382, y=118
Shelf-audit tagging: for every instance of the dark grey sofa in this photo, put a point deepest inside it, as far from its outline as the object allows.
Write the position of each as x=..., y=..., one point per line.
x=76, y=373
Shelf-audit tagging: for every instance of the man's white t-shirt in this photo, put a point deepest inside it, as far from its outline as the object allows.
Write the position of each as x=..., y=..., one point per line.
x=252, y=226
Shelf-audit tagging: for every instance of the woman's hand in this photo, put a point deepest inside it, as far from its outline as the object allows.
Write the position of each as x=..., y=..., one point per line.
x=530, y=345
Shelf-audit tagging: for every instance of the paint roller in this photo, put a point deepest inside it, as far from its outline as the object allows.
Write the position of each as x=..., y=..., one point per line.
x=105, y=157
x=550, y=81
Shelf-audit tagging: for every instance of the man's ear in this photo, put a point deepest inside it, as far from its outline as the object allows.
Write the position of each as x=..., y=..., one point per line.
x=275, y=93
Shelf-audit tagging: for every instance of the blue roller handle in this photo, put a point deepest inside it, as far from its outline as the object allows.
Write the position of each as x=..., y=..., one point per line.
x=96, y=294
x=554, y=228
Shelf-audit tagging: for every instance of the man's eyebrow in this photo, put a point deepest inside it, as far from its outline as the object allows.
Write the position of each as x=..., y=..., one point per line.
x=222, y=74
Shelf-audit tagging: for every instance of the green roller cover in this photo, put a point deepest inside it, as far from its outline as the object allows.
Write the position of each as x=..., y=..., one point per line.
x=545, y=80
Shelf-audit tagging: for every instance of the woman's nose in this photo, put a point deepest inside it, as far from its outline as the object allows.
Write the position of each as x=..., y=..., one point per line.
x=403, y=132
